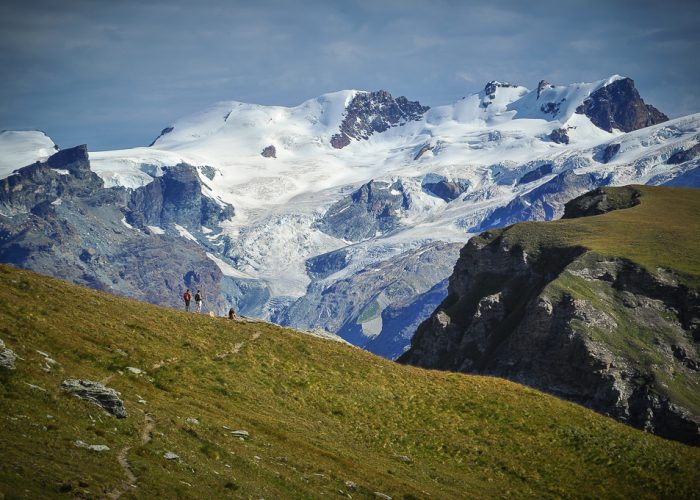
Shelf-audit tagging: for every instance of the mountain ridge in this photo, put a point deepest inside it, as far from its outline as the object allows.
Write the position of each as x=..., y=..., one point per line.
x=436, y=179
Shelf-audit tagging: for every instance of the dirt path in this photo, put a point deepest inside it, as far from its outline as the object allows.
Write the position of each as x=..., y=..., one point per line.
x=130, y=482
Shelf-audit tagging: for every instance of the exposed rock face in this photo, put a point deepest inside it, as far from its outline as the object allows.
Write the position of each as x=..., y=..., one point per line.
x=322, y=266
x=536, y=174
x=375, y=112
x=447, y=190
x=166, y=130
x=545, y=202
x=684, y=155
x=7, y=357
x=375, y=207
x=424, y=149
x=176, y=198
x=560, y=136
x=609, y=152
x=619, y=106
x=575, y=324
x=102, y=396
x=269, y=152
x=56, y=218
x=491, y=87
x=544, y=84
x=357, y=307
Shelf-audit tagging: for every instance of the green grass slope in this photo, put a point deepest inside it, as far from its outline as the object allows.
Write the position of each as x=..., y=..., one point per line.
x=320, y=414
x=663, y=231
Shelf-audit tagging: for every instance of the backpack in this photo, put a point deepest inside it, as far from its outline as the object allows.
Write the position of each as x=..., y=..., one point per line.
x=187, y=296
x=197, y=297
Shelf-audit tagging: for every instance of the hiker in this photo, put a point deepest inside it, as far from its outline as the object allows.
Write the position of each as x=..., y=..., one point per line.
x=232, y=314
x=198, y=299
x=187, y=297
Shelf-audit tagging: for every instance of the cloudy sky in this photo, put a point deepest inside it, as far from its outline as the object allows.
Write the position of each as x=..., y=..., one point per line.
x=112, y=74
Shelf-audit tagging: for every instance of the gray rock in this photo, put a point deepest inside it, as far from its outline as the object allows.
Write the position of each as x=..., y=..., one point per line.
x=192, y=420
x=97, y=393
x=560, y=136
x=375, y=112
x=684, y=155
x=536, y=174
x=447, y=190
x=608, y=153
x=381, y=495
x=376, y=207
x=169, y=455
x=619, y=106
x=92, y=447
x=7, y=357
x=424, y=149
x=269, y=152
x=242, y=435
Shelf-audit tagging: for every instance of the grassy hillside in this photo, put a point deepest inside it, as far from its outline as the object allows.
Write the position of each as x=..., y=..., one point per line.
x=320, y=415
x=663, y=231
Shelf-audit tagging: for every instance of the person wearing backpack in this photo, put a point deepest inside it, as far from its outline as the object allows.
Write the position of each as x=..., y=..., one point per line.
x=187, y=297
x=198, y=299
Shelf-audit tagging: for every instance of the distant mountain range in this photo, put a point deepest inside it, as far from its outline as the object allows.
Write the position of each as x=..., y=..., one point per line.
x=345, y=213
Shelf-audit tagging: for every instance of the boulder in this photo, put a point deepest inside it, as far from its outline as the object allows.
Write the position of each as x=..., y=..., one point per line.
x=560, y=136
x=102, y=396
x=7, y=357
x=269, y=152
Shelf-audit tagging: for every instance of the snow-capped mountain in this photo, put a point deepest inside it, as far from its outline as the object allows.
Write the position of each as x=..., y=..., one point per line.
x=340, y=212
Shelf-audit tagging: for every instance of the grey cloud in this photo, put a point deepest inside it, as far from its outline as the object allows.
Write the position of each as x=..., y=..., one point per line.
x=123, y=70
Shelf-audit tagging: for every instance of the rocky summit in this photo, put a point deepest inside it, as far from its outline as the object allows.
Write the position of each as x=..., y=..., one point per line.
x=601, y=308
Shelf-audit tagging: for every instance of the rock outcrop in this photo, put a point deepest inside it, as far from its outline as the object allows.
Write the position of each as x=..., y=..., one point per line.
x=684, y=155
x=375, y=112
x=598, y=330
x=619, y=106
x=7, y=357
x=269, y=152
x=375, y=207
x=106, y=398
x=560, y=136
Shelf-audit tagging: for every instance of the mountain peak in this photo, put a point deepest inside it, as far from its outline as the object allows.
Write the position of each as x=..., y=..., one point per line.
x=370, y=112
x=618, y=105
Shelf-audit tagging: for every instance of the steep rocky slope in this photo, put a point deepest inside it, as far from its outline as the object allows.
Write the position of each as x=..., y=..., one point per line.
x=57, y=218
x=175, y=405
x=601, y=308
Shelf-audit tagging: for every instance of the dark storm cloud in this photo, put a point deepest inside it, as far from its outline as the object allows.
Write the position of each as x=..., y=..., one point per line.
x=112, y=74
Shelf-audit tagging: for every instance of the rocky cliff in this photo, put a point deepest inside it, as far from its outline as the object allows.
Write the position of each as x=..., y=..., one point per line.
x=602, y=310
x=57, y=218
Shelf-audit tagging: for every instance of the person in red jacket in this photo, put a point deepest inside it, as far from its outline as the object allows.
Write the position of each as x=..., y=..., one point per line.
x=187, y=297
